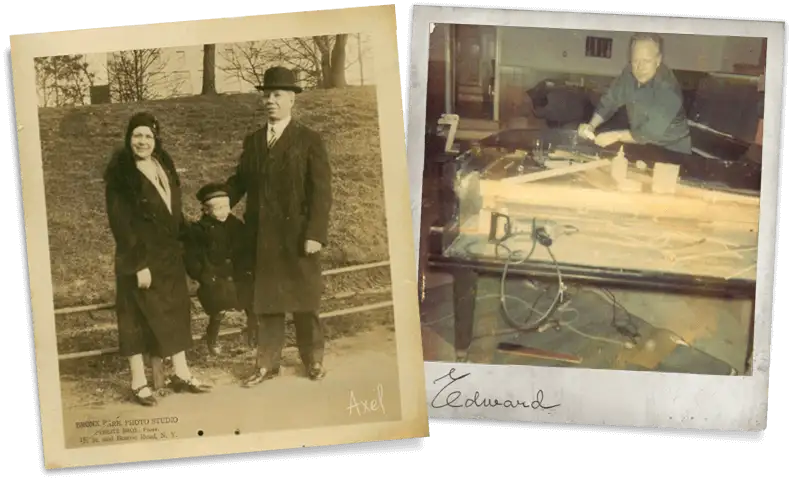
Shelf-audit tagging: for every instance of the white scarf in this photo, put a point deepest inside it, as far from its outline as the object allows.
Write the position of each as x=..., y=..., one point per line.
x=154, y=172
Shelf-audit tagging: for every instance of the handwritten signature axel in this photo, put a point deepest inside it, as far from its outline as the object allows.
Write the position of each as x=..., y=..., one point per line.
x=452, y=398
x=366, y=406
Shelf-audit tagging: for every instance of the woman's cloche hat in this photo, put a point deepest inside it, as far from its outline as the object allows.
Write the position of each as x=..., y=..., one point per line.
x=279, y=78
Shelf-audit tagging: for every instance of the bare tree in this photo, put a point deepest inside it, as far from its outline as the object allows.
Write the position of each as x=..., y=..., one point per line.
x=363, y=48
x=139, y=75
x=321, y=59
x=63, y=80
x=209, y=70
x=302, y=55
x=248, y=60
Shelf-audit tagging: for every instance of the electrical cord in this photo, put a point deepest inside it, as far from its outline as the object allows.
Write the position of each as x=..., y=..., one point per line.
x=511, y=331
x=629, y=330
x=568, y=325
x=538, y=236
x=542, y=237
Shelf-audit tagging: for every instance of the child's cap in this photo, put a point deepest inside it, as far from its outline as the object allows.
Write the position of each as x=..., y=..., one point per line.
x=210, y=191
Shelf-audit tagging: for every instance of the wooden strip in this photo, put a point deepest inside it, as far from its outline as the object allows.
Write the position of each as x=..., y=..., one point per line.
x=520, y=350
x=497, y=162
x=556, y=172
x=712, y=196
x=564, y=154
x=584, y=200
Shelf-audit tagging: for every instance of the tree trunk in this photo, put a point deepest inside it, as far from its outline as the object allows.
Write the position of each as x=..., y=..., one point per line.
x=327, y=71
x=360, y=59
x=338, y=62
x=209, y=71
x=323, y=45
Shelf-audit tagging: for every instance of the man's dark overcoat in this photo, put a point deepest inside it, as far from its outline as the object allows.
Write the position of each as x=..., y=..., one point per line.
x=147, y=235
x=288, y=201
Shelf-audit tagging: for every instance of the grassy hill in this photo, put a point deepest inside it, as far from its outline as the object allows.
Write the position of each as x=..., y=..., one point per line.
x=204, y=135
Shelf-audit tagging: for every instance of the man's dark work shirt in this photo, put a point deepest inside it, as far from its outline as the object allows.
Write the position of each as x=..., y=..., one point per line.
x=655, y=109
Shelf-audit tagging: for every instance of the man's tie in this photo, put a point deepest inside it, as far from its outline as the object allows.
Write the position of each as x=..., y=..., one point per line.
x=272, y=138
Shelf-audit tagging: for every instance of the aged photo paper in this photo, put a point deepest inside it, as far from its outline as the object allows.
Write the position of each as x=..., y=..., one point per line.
x=217, y=234
x=597, y=215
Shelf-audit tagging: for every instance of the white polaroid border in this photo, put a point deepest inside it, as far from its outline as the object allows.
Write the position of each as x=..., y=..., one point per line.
x=380, y=23
x=603, y=397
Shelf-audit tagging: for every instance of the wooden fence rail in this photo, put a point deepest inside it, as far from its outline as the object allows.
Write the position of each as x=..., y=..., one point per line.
x=156, y=363
x=232, y=331
x=110, y=305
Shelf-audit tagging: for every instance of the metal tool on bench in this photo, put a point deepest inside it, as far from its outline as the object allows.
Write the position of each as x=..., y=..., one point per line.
x=503, y=226
x=541, y=151
x=500, y=227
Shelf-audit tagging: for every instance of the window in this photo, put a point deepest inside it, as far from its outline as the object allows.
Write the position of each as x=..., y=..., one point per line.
x=599, y=47
x=181, y=59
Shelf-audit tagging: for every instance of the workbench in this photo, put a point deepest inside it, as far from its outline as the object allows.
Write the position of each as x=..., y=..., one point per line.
x=696, y=241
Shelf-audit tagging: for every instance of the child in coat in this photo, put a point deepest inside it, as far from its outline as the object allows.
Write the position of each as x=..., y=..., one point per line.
x=216, y=260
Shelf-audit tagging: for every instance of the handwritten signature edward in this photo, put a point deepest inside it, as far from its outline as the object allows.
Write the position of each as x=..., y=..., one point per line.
x=446, y=397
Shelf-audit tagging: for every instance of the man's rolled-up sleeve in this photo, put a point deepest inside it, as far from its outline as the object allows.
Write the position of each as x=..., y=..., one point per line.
x=614, y=98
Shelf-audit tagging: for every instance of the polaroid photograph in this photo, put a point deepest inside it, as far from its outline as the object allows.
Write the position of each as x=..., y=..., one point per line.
x=597, y=211
x=218, y=236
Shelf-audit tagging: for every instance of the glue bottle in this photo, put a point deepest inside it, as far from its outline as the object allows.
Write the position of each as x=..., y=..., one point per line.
x=619, y=165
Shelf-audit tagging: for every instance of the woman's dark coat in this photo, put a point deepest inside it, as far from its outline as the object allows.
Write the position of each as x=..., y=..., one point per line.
x=155, y=320
x=215, y=259
x=288, y=201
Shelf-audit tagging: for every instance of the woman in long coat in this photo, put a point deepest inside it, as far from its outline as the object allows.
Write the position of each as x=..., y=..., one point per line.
x=144, y=210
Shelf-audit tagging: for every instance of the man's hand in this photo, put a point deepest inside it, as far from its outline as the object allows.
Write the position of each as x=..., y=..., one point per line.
x=312, y=246
x=608, y=138
x=586, y=130
x=144, y=278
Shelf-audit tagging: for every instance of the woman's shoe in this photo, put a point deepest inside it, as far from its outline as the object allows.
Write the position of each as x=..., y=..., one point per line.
x=191, y=385
x=145, y=400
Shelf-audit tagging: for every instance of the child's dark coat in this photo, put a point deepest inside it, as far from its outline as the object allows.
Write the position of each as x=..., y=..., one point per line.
x=216, y=259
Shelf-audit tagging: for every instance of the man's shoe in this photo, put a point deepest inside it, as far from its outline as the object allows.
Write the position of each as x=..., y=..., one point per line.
x=261, y=375
x=316, y=372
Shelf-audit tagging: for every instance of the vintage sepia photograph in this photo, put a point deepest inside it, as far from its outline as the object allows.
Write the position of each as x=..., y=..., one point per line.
x=598, y=195
x=215, y=221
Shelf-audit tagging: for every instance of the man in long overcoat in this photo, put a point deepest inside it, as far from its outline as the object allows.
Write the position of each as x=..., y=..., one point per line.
x=285, y=173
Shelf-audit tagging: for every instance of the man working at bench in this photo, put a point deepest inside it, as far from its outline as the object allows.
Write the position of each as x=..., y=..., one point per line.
x=653, y=98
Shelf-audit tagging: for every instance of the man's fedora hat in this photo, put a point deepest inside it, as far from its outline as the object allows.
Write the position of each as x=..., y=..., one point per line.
x=279, y=78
